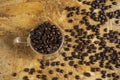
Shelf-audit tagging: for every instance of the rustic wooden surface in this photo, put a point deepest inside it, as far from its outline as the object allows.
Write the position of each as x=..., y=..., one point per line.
x=17, y=17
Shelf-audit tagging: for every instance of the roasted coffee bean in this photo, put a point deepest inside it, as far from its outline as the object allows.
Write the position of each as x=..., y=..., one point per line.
x=26, y=69
x=14, y=74
x=70, y=20
x=75, y=66
x=66, y=76
x=25, y=78
x=98, y=79
x=70, y=14
x=39, y=71
x=95, y=69
x=38, y=76
x=77, y=77
x=70, y=73
x=50, y=71
x=114, y=3
x=32, y=70
x=55, y=78
x=71, y=63
x=87, y=74
x=62, y=64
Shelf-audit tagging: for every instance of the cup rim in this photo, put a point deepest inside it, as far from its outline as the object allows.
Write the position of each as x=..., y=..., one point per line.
x=29, y=40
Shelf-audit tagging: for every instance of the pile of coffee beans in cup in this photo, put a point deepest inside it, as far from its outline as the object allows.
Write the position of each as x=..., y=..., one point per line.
x=46, y=38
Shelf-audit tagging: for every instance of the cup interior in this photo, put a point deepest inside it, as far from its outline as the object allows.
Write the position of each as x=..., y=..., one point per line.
x=33, y=47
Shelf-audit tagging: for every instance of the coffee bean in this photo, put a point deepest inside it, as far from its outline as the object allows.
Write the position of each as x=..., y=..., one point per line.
x=103, y=72
x=44, y=77
x=62, y=64
x=50, y=71
x=114, y=3
x=66, y=49
x=69, y=45
x=14, y=74
x=71, y=63
x=75, y=66
x=39, y=71
x=81, y=62
x=66, y=76
x=98, y=79
x=76, y=26
x=113, y=74
x=79, y=0
x=109, y=75
x=70, y=73
x=77, y=77
x=25, y=78
x=58, y=69
x=117, y=21
x=26, y=69
x=38, y=76
x=87, y=74
x=66, y=59
x=53, y=64
x=70, y=21
x=55, y=78
x=70, y=14
x=95, y=69
x=32, y=70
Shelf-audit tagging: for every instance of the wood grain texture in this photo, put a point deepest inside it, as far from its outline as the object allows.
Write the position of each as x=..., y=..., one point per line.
x=17, y=18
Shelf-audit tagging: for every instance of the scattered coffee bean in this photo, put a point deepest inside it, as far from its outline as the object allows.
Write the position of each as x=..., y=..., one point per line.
x=25, y=78
x=32, y=70
x=70, y=73
x=38, y=76
x=66, y=76
x=50, y=71
x=26, y=69
x=114, y=3
x=55, y=78
x=87, y=74
x=98, y=79
x=70, y=20
x=14, y=74
x=39, y=71
x=77, y=77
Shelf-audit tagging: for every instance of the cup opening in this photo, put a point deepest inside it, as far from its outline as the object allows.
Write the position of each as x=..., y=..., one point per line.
x=46, y=38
